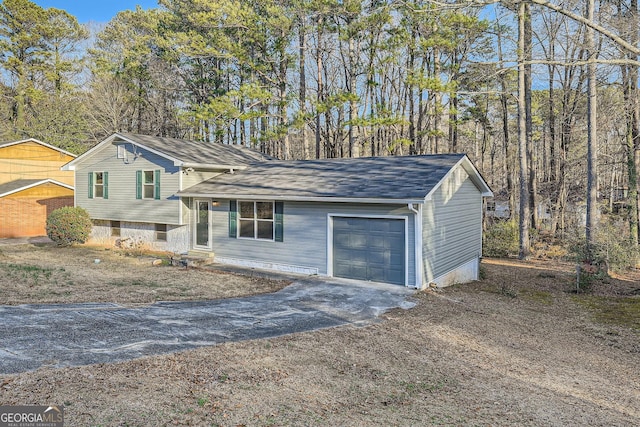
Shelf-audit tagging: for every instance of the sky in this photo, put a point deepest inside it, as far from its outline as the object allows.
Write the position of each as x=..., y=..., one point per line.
x=95, y=10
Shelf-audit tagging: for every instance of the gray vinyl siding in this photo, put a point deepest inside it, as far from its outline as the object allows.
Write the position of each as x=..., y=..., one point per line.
x=452, y=225
x=193, y=177
x=305, y=234
x=122, y=204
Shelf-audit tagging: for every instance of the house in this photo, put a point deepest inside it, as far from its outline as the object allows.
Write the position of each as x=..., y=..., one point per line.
x=32, y=186
x=498, y=209
x=411, y=220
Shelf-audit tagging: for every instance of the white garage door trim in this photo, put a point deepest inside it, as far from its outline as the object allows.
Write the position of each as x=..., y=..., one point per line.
x=330, y=217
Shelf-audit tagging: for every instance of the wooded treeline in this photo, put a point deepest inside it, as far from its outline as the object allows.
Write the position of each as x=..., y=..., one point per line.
x=303, y=79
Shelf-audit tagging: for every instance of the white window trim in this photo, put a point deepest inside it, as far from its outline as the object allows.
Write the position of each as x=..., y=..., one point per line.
x=153, y=185
x=256, y=220
x=95, y=184
x=121, y=151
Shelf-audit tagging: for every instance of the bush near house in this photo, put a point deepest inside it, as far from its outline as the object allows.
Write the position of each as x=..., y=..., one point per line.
x=69, y=225
x=501, y=239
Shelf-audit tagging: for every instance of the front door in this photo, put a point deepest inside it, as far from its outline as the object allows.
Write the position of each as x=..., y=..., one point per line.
x=202, y=230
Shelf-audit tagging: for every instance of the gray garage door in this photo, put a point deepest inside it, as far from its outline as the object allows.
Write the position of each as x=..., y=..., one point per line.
x=369, y=249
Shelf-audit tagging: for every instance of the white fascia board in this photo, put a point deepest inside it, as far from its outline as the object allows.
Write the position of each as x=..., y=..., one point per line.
x=474, y=174
x=302, y=198
x=479, y=180
x=71, y=166
x=209, y=166
x=176, y=162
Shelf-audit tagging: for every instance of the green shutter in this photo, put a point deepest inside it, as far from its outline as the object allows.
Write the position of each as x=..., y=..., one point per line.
x=279, y=222
x=105, y=185
x=233, y=215
x=138, y=184
x=156, y=180
x=90, y=184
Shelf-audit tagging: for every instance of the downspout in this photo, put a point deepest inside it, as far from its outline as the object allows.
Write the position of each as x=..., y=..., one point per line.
x=417, y=228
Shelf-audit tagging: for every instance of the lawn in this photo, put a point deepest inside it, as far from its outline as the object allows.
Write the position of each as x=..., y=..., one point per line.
x=519, y=347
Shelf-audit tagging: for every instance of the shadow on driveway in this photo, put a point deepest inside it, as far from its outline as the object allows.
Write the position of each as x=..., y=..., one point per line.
x=61, y=335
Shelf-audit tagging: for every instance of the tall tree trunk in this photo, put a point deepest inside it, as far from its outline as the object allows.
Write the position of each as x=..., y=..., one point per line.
x=632, y=102
x=504, y=97
x=20, y=119
x=302, y=36
x=531, y=154
x=413, y=149
x=453, y=122
x=553, y=174
x=524, y=220
x=320, y=96
x=592, y=142
x=284, y=149
x=437, y=102
x=354, y=148
x=553, y=164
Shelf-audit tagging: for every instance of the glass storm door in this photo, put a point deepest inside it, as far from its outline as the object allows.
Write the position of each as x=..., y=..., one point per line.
x=203, y=222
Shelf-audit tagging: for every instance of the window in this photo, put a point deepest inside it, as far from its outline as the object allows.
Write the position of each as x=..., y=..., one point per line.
x=122, y=153
x=256, y=220
x=98, y=185
x=115, y=228
x=161, y=232
x=148, y=184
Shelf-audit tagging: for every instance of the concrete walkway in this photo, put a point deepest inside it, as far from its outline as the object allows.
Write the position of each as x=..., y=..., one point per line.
x=61, y=335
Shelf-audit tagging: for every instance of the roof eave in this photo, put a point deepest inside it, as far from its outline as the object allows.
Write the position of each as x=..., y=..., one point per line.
x=209, y=166
x=294, y=198
x=474, y=174
x=35, y=184
x=44, y=144
x=176, y=161
x=71, y=166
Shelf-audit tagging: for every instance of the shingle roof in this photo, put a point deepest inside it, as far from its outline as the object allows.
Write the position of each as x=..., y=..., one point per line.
x=22, y=184
x=188, y=151
x=395, y=178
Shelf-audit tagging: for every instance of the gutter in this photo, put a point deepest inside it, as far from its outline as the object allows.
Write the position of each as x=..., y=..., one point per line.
x=293, y=198
x=417, y=227
x=209, y=166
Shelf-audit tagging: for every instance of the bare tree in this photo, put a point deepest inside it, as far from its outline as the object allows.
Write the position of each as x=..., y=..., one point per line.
x=524, y=215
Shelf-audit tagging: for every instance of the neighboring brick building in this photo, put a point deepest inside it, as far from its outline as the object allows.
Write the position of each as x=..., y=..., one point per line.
x=31, y=186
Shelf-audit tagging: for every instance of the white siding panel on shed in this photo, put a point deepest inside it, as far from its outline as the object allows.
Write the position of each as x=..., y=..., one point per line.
x=452, y=226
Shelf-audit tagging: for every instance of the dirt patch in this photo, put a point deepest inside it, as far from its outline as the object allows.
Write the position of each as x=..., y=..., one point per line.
x=49, y=274
x=517, y=348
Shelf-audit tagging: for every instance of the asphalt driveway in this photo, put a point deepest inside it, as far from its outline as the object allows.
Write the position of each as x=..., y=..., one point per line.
x=61, y=335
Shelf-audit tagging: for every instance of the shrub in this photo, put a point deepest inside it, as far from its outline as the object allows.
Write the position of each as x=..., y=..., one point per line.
x=501, y=239
x=66, y=226
x=611, y=251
